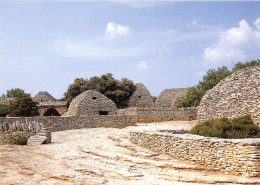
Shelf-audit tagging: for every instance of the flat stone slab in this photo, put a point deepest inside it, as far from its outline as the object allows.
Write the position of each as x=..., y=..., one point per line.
x=37, y=140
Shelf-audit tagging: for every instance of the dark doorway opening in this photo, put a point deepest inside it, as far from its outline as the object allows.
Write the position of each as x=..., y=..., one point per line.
x=51, y=112
x=103, y=112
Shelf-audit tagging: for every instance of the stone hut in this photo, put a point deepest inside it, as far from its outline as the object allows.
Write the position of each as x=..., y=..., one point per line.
x=168, y=98
x=91, y=102
x=43, y=96
x=141, y=97
x=49, y=106
x=6, y=101
x=234, y=96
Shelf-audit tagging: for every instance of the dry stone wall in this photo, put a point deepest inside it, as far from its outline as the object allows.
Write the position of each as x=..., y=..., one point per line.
x=154, y=115
x=238, y=156
x=168, y=98
x=6, y=101
x=234, y=96
x=57, y=123
x=91, y=102
x=141, y=97
x=12, y=128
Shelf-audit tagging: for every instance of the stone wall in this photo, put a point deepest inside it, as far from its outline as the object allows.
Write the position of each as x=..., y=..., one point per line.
x=168, y=98
x=234, y=96
x=238, y=156
x=156, y=115
x=141, y=97
x=91, y=102
x=12, y=128
x=56, y=123
x=6, y=101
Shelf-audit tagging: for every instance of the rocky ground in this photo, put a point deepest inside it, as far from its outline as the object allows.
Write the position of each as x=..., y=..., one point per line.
x=104, y=156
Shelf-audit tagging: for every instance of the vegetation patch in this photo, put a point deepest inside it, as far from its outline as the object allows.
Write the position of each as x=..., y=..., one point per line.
x=241, y=127
x=3, y=110
x=20, y=140
x=212, y=78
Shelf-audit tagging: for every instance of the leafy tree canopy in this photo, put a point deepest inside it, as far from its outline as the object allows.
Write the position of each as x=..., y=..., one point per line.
x=195, y=93
x=23, y=106
x=117, y=91
x=14, y=92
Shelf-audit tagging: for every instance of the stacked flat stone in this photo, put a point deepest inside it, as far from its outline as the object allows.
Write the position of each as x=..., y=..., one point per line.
x=91, y=102
x=234, y=96
x=168, y=98
x=43, y=96
x=9, y=131
x=126, y=118
x=237, y=156
x=42, y=137
x=141, y=97
x=6, y=101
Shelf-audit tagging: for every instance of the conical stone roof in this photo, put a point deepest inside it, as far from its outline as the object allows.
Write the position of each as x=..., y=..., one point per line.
x=141, y=97
x=168, y=98
x=43, y=96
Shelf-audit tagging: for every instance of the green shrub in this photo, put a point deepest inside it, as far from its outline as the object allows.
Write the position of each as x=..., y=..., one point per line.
x=20, y=140
x=3, y=110
x=23, y=106
x=241, y=127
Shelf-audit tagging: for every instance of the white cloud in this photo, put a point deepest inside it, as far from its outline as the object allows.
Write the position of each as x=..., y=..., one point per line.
x=195, y=21
x=231, y=43
x=142, y=65
x=100, y=49
x=114, y=30
x=139, y=3
x=257, y=23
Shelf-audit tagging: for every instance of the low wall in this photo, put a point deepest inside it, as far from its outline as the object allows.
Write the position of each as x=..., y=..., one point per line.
x=156, y=115
x=8, y=137
x=56, y=123
x=11, y=130
x=238, y=156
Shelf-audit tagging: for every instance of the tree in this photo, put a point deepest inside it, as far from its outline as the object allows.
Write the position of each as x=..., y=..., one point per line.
x=117, y=91
x=23, y=106
x=74, y=89
x=195, y=93
x=14, y=92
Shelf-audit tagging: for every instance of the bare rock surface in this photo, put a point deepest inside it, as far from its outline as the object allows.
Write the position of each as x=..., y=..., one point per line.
x=104, y=156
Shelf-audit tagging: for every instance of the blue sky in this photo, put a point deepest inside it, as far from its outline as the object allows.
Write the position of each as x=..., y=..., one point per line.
x=45, y=45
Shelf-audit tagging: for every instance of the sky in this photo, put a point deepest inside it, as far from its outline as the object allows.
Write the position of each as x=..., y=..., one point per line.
x=45, y=45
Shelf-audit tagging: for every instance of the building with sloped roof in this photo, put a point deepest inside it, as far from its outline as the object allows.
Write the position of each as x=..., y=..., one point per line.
x=168, y=98
x=91, y=102
x=43, y=96
x=141, y=97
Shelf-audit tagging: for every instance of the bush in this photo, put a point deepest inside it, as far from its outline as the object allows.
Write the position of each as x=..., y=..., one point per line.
x=241, y=127
x=3, y=110
x=20, y=140
x=23, y=106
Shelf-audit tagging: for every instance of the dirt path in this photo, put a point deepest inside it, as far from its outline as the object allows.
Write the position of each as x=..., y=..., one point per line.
x=103, y=156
